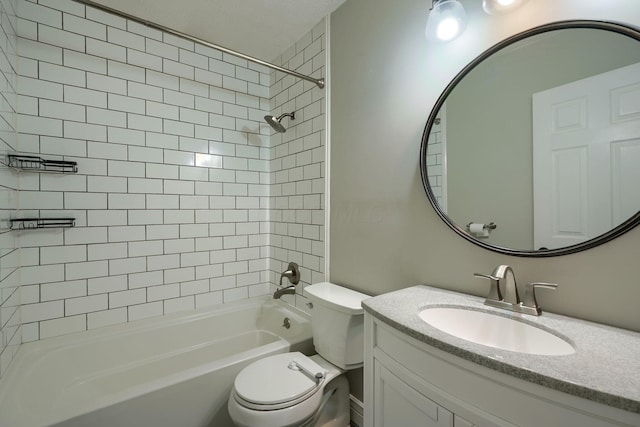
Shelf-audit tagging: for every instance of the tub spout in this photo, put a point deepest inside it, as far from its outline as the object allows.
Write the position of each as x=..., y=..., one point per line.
x=282, y=291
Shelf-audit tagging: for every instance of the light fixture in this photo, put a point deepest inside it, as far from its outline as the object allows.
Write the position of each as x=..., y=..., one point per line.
x=447, y=20
x=498, y=6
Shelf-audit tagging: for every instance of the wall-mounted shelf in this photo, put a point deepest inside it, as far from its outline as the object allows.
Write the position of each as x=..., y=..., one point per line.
x=38, y=164
x=35, y=223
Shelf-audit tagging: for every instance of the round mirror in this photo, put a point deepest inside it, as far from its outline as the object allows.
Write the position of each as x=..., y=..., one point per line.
x=534, y=148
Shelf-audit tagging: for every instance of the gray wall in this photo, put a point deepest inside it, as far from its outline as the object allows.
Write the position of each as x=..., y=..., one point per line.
x=384, y=235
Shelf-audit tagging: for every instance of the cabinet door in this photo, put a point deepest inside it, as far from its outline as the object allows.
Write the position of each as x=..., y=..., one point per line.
x=458, y=421
x=398, y=404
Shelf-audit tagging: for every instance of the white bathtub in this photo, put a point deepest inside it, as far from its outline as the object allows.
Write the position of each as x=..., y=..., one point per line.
x=176, y=371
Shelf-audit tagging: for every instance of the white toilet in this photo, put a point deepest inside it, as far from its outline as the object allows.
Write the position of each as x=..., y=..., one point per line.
x=292, y=389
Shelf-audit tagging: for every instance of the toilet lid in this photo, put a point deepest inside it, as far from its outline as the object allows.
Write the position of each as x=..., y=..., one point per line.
x=274, y=380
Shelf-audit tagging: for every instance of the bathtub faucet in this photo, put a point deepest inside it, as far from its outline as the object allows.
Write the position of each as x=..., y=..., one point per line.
x=293, y=274
x=284, y=291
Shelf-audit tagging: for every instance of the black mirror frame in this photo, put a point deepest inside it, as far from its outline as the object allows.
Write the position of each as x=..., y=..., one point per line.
x=560, y=25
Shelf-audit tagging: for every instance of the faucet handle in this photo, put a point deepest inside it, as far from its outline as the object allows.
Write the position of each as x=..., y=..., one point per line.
x=530, y=294
x=494, y=288
x=292, y=273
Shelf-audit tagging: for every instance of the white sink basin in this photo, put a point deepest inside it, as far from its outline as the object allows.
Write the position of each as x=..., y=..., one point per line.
x=495, y=331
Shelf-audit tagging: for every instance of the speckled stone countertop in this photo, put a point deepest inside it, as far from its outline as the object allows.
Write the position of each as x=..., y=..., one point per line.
x=605, y=367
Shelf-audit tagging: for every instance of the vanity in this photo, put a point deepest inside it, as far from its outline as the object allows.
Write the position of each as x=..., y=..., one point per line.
x=418, y=375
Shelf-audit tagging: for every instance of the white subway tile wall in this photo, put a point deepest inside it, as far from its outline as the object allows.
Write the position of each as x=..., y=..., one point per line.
x=297, y=165
x=184, y=197
x=123, y=101
x=10, y=330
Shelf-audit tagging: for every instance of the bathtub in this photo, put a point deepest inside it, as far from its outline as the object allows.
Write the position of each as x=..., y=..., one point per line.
x=175, y=371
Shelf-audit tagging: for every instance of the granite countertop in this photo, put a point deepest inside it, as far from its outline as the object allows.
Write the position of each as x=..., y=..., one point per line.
x=605, y=367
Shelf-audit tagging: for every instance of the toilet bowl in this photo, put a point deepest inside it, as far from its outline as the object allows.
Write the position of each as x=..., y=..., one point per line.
x=293, y=389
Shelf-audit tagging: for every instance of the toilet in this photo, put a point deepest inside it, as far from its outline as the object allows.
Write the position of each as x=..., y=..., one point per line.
x=292, y=389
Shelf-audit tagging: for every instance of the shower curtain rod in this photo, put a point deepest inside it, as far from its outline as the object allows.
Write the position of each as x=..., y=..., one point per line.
x=318, y=82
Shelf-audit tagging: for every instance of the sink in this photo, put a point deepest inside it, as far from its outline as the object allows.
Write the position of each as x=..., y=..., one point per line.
x=495, y=331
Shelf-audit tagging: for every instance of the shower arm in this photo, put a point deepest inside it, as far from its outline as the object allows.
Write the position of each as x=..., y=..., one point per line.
x=317, y=82
x=282, y=116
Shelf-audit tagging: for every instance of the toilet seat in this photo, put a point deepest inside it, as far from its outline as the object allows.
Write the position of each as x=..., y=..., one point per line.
x=278, y=381
x=295, y=408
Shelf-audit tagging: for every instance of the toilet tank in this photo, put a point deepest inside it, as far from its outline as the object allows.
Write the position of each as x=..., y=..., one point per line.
x=337, y=320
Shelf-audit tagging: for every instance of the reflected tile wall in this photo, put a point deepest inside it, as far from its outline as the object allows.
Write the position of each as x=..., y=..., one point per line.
x=435, y=160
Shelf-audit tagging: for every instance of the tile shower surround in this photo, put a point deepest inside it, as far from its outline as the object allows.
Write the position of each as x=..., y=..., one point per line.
x=184, y=198
x=10, y=332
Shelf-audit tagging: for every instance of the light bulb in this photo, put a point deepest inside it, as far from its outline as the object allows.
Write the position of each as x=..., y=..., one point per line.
x=448, y=29
x=447, y=20
x=498, y=6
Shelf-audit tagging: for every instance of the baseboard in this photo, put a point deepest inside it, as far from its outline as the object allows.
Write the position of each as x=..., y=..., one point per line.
x=357, y=411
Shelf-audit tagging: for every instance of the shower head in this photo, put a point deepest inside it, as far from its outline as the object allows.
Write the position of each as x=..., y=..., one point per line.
x=275, y=122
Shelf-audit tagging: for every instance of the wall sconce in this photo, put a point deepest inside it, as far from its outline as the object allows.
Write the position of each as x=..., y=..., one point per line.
x=447, y=18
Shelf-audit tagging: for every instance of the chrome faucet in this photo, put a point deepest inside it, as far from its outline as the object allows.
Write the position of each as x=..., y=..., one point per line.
x=510, y=288
x=293, y=274
x=510, y=300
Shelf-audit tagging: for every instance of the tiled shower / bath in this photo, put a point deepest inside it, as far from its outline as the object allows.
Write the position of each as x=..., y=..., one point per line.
x=183, y=197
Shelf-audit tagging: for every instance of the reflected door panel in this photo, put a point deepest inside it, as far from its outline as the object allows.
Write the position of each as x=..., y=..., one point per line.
x=625, y=178
x=586, y=145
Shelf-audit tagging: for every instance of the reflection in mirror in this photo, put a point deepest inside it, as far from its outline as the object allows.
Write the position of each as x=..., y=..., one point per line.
x=541, y=137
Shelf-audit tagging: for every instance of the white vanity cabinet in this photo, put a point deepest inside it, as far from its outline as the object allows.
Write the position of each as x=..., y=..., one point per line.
x=409, y=383
x=400, y=402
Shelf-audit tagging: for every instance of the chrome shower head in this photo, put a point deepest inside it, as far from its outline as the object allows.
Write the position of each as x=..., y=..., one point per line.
x=276, y=124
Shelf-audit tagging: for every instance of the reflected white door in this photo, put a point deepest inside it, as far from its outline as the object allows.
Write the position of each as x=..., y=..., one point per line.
x=586, y=157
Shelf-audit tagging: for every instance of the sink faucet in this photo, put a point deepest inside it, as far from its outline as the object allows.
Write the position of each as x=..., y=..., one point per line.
x=530, y=303
x=510, y=288
x=510, y=300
